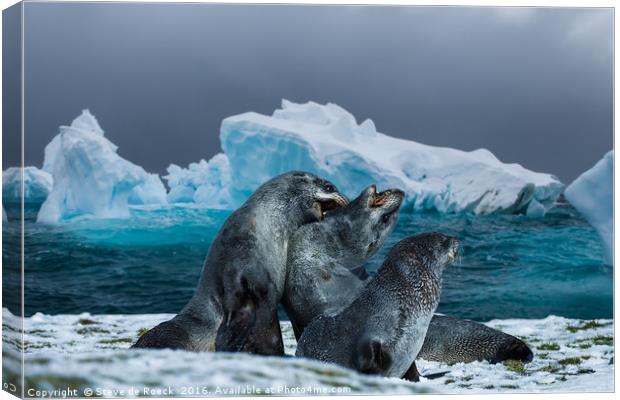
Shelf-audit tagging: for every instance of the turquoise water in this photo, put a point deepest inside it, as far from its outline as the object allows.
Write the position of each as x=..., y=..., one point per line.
x=511, y=266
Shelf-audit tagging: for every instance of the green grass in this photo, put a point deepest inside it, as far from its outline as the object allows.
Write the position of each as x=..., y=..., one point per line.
x=116, y=340
x=603, y=340
x=515, y=366
x=549, y=346
x=91, y=329
x=586, y=325
x=142, y=331
x=550, y=368
x=570, y=361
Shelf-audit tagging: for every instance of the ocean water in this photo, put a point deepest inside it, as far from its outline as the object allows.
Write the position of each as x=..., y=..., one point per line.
x=510, y=266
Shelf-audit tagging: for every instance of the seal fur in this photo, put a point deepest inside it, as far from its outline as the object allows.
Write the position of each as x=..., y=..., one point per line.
x=383, y=330
x=323, y=255
x=234, y=306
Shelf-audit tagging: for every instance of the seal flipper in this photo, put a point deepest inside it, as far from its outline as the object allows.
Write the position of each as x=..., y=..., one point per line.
x=266, y=341
x=412, y=373
x=167, y=335
x=233, y=333
x=373, y=357
x=296, y=330
x=515, y=350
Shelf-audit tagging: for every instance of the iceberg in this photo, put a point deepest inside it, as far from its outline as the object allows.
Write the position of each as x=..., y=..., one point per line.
x=206, y=183
x=37, y=185
x=90, y=180
x=592, y=195
x=151, y=192
x=328, y=141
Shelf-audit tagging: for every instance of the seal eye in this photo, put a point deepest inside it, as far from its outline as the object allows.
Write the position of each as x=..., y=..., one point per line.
x=386, y=218
x=329, y=187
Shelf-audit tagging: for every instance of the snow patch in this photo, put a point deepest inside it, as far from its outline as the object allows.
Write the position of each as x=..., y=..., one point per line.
x=92, y=350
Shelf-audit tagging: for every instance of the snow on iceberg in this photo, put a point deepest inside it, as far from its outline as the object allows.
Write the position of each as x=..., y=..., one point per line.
x=37, y=185
x=90, y=178
x=151, y=191
x=204, y=182
x=328, y=141
x=592, y=195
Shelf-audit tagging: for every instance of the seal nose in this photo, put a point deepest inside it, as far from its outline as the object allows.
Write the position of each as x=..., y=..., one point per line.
x=399, y=194
x=340, y=199
x=453, y=247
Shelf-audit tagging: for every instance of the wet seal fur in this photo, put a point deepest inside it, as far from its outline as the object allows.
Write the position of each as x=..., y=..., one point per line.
x=326, y=274
x=323, y=255
x=452, y=340
x=383, y=330
x=234, y=306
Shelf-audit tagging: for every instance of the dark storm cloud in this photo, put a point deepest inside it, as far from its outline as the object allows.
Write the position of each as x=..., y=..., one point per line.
x=532, y=85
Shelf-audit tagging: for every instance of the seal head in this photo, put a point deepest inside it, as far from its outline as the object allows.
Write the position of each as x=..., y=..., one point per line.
x=382, y=331
x=234, y=306
x=322, y=256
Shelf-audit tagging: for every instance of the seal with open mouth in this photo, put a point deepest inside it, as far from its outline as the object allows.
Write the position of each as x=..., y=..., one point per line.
x=234, y=306
x=326, y=274
x=323, y=255
x=383, y=330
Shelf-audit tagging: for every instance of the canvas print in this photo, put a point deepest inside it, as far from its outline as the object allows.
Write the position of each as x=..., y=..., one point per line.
x=223, y=200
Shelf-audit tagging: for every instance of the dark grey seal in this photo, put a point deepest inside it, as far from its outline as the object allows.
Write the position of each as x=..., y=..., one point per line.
x=234, y=306
x=323, y=256
x=383, y=330
x=326, y=274
x=452, y=340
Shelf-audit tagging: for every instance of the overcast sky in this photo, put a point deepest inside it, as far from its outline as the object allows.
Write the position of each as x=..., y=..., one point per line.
x=534, y=86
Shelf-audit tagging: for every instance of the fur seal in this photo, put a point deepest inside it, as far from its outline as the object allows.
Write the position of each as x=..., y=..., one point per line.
x=326, y=274
x=323, y=256
x=383, y=330
x=452, y=340
x=234, y=306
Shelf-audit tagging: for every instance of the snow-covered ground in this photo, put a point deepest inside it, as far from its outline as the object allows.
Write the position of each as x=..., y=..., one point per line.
x=90, y=351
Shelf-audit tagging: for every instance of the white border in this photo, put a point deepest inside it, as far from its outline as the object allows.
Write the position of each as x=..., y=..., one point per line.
x=485, y=3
